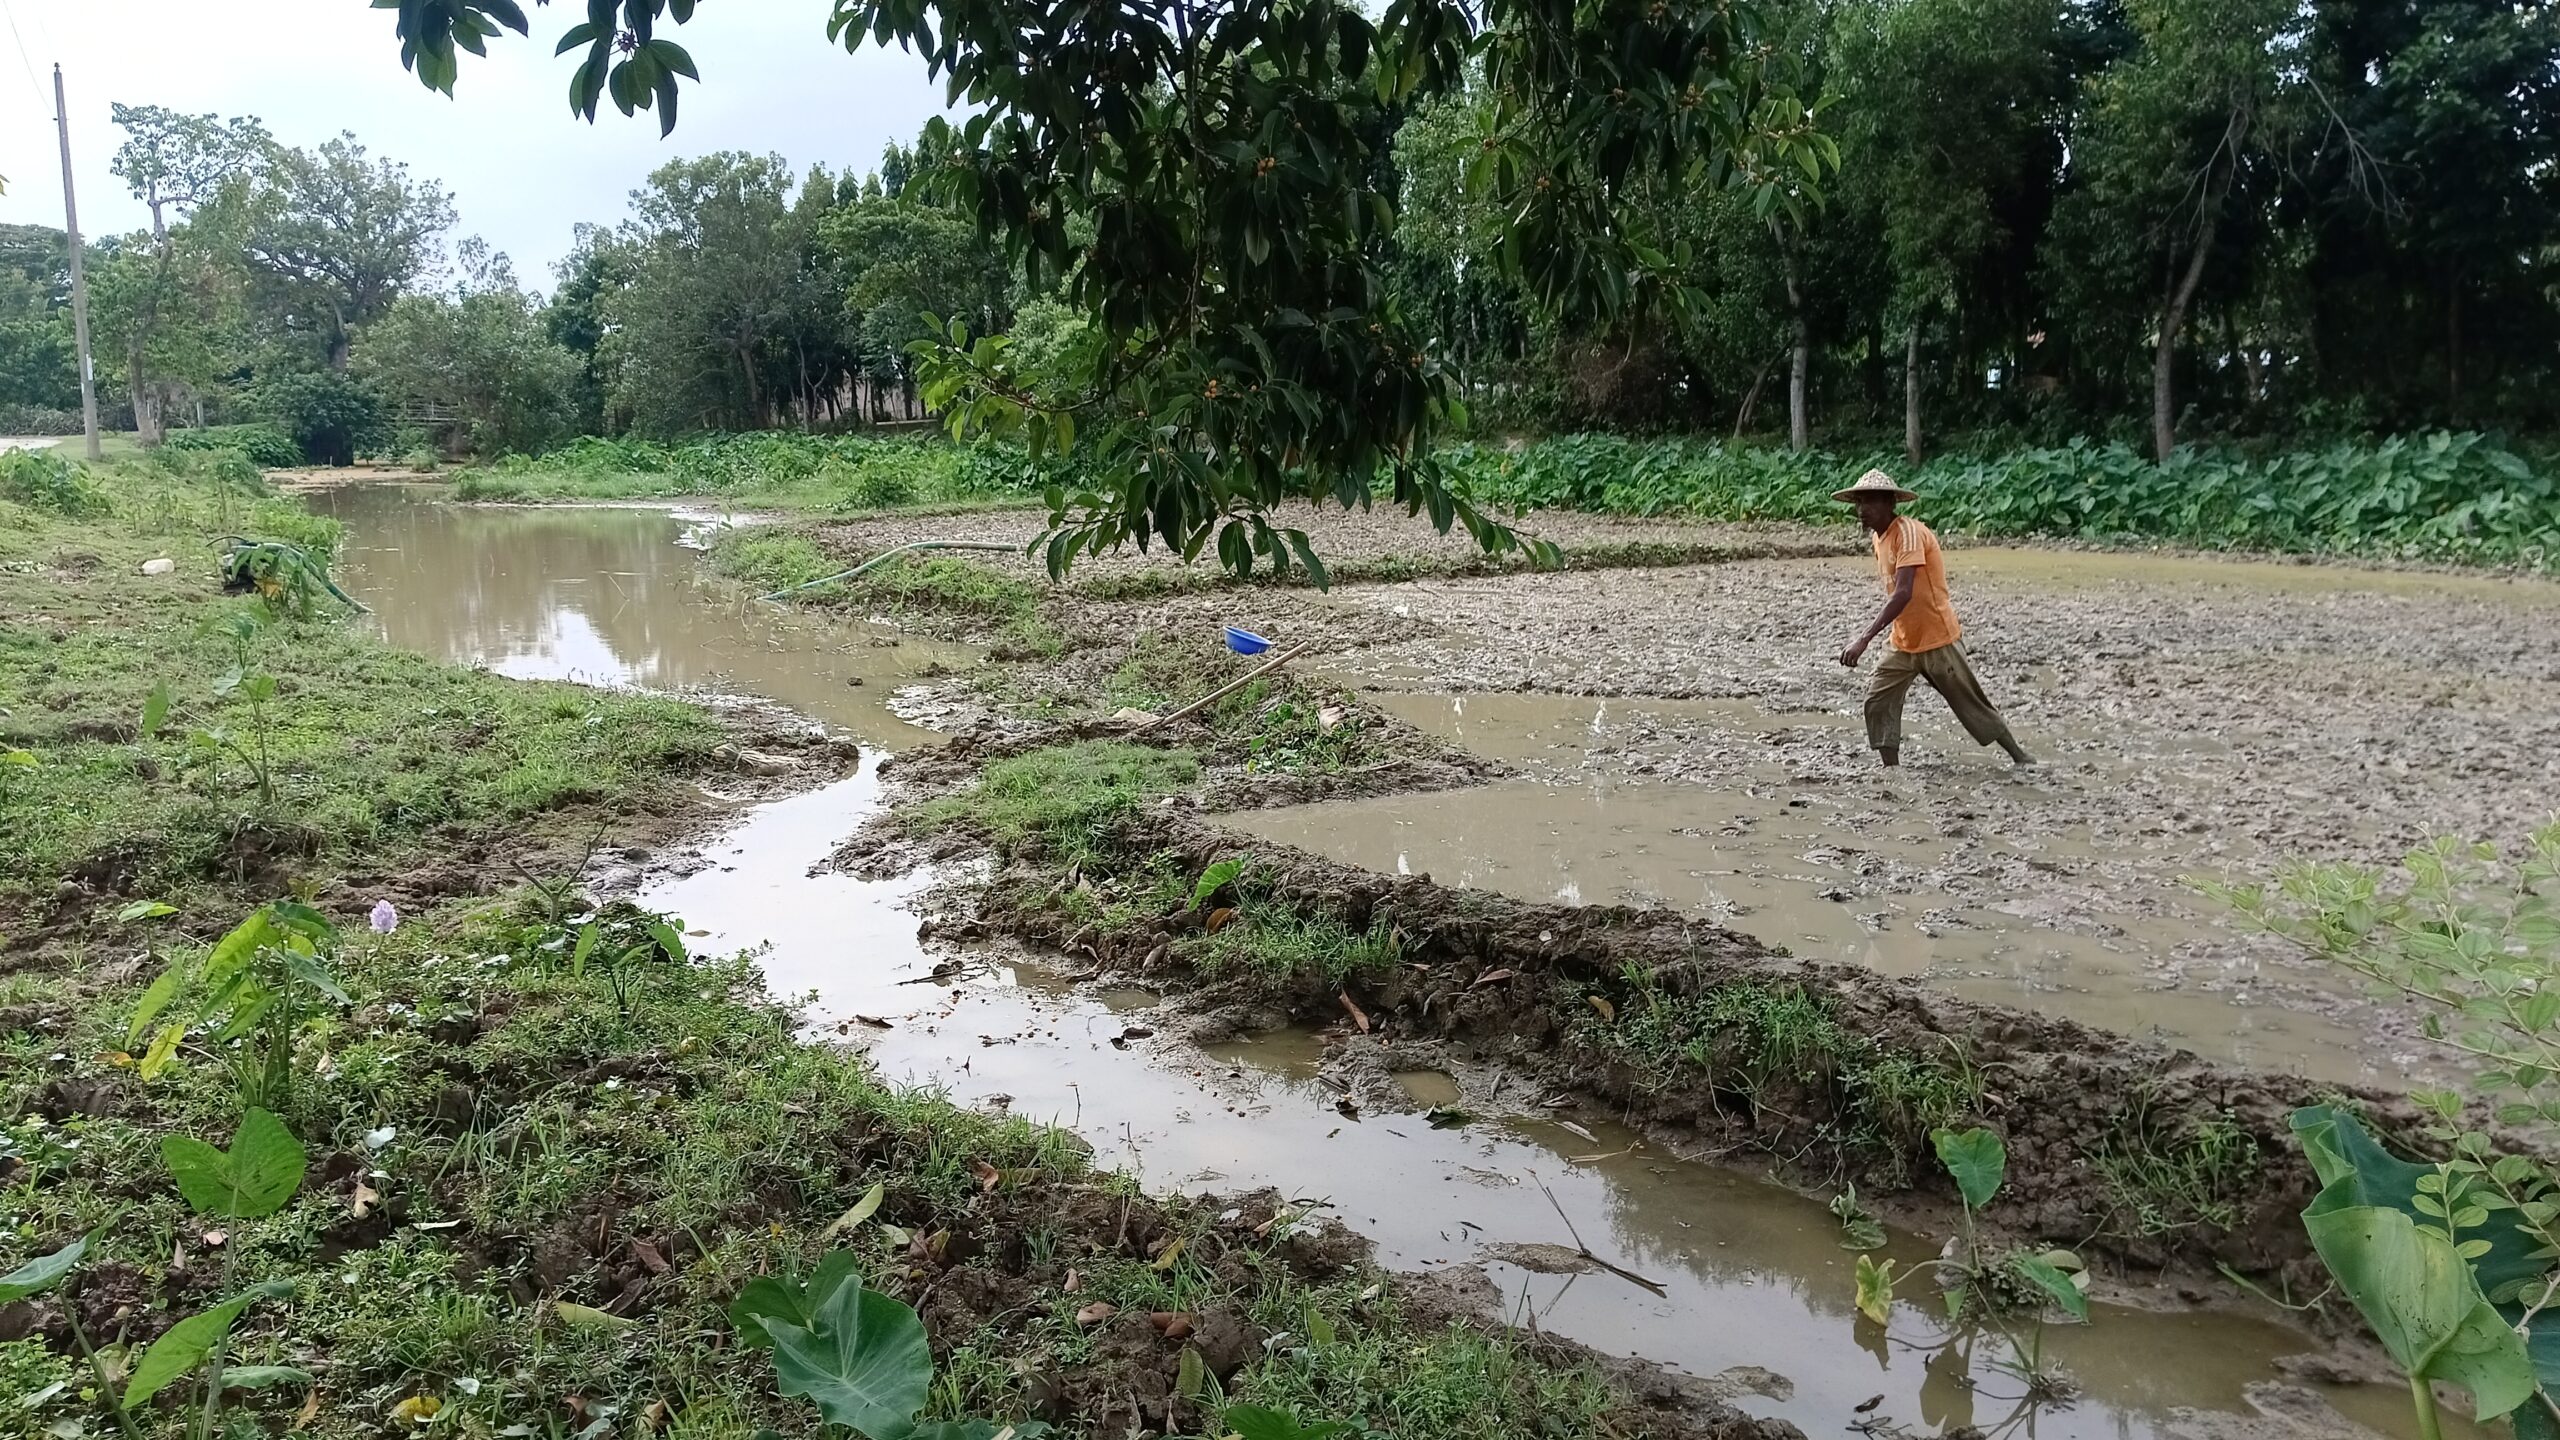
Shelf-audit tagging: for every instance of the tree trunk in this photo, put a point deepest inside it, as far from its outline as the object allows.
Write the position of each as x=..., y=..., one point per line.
x=146, y=414
x=1911, y=396
x=1750, y=401
x=1800, y=363
x=2453, y=349
x=2173, y=315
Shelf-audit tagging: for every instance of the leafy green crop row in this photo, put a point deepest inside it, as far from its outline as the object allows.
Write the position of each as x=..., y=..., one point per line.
x=2439, y=496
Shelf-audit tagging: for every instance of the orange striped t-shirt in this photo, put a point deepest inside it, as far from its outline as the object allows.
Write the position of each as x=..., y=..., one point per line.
x=1929, y=621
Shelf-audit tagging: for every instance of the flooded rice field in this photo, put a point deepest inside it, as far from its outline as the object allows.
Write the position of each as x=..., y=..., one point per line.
x=1714, y=772
x=1686, y=738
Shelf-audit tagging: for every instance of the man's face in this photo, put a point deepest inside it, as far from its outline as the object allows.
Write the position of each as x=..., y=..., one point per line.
x=1875, y=512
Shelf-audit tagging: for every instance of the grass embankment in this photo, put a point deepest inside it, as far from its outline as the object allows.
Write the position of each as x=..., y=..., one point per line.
x=532, y=1172
x=1832, y=1083
x=359, y=757
x=771, y=470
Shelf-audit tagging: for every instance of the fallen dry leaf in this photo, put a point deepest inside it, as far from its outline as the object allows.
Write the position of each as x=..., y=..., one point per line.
x=1601, y=1004
x=1359, y=1017
x=989, y=1177
x=361, y=1203
x=1173, y=1324
x=1075, y=1281
x=1495, y=976
x=654, y=1417
x=649, y=1258
x=216, y=1239
x=1330, y=716
x=1095, y=1313
x=1171, y=1253
x=416, y=1410
x=1220, y=919
x=310, y=1408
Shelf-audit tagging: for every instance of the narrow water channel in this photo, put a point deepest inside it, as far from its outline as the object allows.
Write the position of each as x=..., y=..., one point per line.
x=1751, y=1274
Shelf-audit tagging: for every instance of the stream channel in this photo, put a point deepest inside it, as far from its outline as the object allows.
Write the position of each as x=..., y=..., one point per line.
x=1753, y=1274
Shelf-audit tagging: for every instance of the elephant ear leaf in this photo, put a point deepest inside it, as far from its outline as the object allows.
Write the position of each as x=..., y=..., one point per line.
x=793, y=1302
x=2420, y=1297
x=42, y=1273
x=1254, y=1422
x=861, y=1358
x=1976, y=1159
x=254, y=1178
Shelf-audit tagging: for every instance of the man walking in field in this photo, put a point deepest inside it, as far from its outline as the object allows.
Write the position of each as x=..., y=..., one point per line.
x=1924, y=624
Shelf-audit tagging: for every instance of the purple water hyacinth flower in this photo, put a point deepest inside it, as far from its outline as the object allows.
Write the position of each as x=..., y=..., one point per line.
x=386, y=917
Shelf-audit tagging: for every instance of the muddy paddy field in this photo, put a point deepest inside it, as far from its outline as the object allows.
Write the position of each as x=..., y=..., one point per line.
x=1544, y=939
x=1493, y=819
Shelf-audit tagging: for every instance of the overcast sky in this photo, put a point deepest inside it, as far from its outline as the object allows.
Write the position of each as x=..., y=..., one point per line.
x=521, y=170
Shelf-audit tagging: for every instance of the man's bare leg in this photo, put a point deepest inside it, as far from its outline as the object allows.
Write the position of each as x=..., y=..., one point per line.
x=2017, y=753
x=1892, y=754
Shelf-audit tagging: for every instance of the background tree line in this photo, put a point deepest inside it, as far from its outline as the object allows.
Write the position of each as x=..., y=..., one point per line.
x=2139, y=219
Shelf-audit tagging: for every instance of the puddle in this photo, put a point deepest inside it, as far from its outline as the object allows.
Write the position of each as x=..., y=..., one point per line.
x=606, y=596
x=1835, y=873
x=1429, y=1088
x=1751, y=1274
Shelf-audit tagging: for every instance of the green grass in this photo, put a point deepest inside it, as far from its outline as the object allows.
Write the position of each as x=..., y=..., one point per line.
x=959, y=593
x=2199, y=1174
x=1275, y=943
x=776, y=470
x=1060, y=803
x=371, y=750
x=1757, y=1039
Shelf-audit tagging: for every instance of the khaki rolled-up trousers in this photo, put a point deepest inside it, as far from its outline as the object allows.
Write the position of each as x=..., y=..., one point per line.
x=1948, y=673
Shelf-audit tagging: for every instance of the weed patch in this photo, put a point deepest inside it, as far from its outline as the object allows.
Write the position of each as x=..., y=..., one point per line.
x=1277, y=944
x=1763, y=1041
x=1060, y=803
x=2167, y=1178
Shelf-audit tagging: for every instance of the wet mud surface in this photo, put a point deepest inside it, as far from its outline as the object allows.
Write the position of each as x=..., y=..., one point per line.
x=1690, y=741
x=1753, y=1274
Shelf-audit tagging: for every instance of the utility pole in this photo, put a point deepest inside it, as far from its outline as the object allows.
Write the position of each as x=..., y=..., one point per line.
x=79, y=275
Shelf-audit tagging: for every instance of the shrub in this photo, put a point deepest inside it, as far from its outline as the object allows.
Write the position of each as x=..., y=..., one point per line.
x=267, y=446
x=42, y=480
x=329, y=417
x=2439, y=496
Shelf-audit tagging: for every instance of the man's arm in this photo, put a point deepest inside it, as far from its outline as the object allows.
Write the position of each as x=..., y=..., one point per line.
x=1893, y=608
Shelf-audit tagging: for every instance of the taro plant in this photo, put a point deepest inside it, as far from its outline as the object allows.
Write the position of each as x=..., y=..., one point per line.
x=860, y=1356
x=2453, y=1261
x=622, y=962
x=253, y=1179
x=2010, y=1291
x=239, y=626
x=256, y=992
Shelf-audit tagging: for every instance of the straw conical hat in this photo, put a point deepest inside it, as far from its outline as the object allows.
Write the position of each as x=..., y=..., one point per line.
x=1874, y=482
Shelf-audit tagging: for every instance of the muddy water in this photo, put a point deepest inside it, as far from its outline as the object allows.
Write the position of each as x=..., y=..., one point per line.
x=1828, y=873
x=1749, y=1274
x=607, y=596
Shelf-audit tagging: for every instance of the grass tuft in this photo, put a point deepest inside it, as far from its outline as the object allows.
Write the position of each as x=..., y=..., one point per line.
x=1060, y=803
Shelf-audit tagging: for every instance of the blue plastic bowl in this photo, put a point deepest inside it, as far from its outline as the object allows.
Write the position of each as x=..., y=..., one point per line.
x=1245, y=642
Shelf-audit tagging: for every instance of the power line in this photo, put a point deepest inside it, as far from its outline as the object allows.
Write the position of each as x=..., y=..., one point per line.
x=35, y=87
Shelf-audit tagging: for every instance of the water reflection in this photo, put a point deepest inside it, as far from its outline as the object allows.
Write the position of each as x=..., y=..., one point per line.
x=606, y=596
